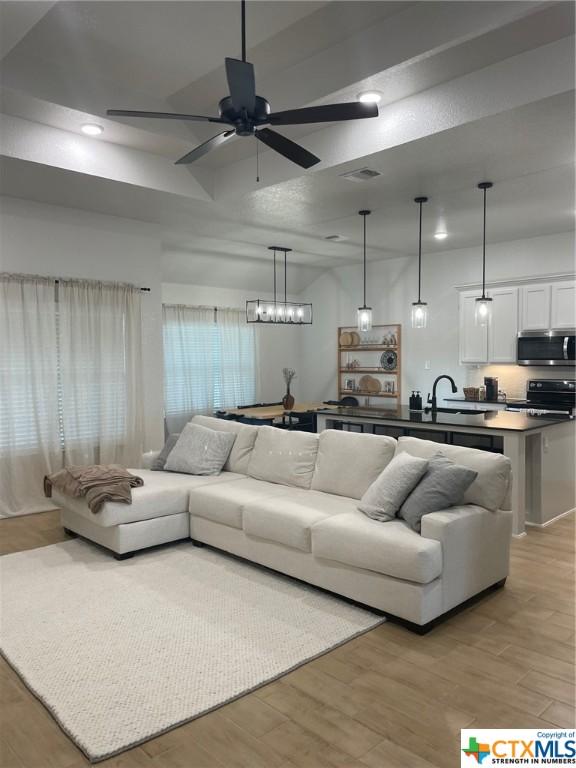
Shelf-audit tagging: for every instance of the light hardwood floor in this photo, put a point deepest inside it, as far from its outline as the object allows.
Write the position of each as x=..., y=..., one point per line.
x=388, y=699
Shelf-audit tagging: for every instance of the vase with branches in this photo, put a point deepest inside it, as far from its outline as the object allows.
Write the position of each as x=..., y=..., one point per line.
x=288, y=399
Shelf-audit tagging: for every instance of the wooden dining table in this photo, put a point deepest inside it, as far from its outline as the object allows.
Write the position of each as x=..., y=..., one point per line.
x=268, y=413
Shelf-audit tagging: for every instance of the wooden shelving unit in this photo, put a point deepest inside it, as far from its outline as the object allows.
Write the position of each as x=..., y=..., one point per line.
x=359, y=362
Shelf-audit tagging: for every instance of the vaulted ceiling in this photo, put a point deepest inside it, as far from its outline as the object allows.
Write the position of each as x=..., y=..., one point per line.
x=470, y=90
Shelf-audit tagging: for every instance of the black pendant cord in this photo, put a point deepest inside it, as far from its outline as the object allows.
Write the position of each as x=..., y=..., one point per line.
x=243, y=4
x=364, y=213
x=484, y=249
x=285, y=279
x=420, y=200
x=484, y=186
x=274, y=249
x=364, y=260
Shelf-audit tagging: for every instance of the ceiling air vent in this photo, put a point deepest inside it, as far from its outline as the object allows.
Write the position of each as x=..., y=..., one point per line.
x=335, y=238
x=362, y=174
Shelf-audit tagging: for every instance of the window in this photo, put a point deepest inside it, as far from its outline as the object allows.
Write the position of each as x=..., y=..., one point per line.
x=209, y=361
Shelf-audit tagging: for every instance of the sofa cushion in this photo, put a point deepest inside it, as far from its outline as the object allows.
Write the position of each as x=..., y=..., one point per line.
x=443, y=486
x=288, y=519
x=392, y=549
x=243, y=445
x=392, y=487
x=348, y=462
x=163, y=493
x=227, y=506
x=490, y=487
x=284, y=457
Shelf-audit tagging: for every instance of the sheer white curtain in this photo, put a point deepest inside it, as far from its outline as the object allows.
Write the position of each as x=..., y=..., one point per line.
x=101, y=372
x=70, y=381
x=29, y=421
x=209, y=362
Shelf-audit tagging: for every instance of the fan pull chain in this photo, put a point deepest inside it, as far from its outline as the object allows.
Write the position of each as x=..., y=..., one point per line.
x=257, y=161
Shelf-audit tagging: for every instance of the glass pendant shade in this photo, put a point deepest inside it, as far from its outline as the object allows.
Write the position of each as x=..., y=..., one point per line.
x=483, y=311
x=364, y=319
x=419, y=314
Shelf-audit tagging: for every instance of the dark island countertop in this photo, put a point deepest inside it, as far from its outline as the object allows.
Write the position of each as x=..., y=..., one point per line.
x=504, y=421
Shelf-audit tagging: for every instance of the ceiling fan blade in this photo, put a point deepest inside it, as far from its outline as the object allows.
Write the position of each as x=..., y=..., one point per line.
x=242, y=85
x=203, y=149
x=288, y=148
x=163, y=116
x=327, y=113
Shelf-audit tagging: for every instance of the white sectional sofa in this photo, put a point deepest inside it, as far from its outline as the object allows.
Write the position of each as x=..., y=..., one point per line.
x=288, y=501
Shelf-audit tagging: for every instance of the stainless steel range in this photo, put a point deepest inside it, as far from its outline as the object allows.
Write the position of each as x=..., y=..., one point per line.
x=547, y=397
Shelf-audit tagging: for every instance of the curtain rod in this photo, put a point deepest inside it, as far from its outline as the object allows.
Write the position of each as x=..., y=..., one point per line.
x=204, y=306
x=57, y=281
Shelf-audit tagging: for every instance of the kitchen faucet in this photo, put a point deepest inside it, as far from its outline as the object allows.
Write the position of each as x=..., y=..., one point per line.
x=433, y=401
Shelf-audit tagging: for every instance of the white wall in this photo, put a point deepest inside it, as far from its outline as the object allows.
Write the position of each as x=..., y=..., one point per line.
x=278, y=346
x=64, y=242
x=392, y=287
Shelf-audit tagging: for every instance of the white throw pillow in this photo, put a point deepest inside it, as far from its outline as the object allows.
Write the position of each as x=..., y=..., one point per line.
x=200, y=451
x=391, y=488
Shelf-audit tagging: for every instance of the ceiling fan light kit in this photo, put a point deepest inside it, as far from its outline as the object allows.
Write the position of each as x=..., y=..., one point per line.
x=483, y=304
x=419, y=314
x=246, y=114
x=277, y=312
x=364, y=313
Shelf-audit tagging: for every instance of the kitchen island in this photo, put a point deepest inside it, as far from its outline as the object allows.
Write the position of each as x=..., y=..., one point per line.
x=542, y=450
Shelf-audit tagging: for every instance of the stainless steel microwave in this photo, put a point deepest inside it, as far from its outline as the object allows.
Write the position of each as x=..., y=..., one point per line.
x=546, y=348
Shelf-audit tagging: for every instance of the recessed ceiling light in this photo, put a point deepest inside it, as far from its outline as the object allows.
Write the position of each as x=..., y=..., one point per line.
x=91, y=129
x=370, y=97
x=440, y=235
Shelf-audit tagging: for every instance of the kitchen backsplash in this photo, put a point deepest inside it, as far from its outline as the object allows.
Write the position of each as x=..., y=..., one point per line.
x=512, y=378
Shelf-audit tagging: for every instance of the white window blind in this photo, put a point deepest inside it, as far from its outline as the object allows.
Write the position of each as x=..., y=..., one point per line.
x=209, y=361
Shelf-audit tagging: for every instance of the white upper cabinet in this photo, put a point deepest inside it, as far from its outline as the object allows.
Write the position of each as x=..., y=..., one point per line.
x=563, y=301
x=503, y=328
x=535, y=311
x=473, y=338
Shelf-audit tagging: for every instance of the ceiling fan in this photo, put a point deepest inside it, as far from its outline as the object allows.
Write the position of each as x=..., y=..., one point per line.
x=246, y=113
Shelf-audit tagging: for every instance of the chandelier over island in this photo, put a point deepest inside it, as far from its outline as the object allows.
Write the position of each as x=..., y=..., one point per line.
x=278, y=312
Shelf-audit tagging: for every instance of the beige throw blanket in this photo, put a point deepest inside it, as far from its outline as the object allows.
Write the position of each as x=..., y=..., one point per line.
x=97, y=483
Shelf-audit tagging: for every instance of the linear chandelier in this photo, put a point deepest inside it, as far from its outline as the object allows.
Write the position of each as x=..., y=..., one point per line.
x=278, y=312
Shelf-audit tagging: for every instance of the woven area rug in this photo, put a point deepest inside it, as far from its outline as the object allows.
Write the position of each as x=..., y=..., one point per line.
x=120, y=652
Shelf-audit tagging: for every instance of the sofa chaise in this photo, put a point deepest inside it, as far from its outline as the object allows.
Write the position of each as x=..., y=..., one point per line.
x=288, y=501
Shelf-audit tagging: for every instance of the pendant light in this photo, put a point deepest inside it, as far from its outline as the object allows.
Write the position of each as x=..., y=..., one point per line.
x=279, y=312
x=364, y=312
x=483, y=304
x=420, y=308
